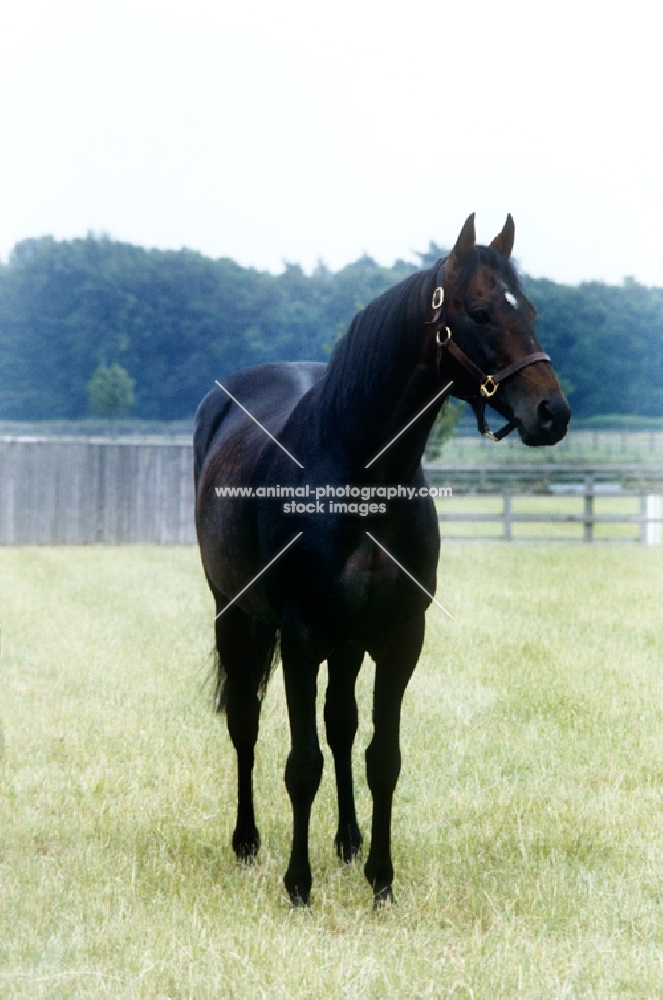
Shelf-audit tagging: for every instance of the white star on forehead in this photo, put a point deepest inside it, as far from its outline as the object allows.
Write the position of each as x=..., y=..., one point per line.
x=511, y=299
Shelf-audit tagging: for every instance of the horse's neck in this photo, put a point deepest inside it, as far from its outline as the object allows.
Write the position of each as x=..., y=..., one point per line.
x=402, y=438
x=365, y=420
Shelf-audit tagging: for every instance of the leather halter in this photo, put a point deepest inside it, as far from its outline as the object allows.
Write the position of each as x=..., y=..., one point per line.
x=488, y=384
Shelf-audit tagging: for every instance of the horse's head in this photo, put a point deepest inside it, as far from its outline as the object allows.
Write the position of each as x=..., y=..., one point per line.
x=488, y=329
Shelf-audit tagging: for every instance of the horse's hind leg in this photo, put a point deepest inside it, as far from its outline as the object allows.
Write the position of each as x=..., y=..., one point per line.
x=245, y=647
x=341, y=719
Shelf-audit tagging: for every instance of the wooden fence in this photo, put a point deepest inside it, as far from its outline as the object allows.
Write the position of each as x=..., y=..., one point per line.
x=645, y=522
x=86, y=490
x=626, y=498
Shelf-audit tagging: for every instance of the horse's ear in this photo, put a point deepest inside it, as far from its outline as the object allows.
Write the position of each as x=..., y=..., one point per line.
x=504, y=240
x=462, y=249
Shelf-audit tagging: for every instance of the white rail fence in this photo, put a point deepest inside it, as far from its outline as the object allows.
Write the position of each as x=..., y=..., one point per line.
x=94, y=490
x=646, y=522
x=627, y=496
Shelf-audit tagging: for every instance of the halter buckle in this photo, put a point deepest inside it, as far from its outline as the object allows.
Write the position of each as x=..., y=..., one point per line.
x=438, y=297
x=489, y=387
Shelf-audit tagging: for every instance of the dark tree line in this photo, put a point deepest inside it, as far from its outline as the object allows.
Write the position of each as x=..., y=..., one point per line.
x=175, y=321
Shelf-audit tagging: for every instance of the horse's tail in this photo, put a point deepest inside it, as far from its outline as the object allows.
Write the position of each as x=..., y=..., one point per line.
x=265, y=655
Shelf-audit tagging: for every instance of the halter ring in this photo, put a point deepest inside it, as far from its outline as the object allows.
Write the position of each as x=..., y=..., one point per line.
x=489, y=387
x=441, y=342
x=438, y=297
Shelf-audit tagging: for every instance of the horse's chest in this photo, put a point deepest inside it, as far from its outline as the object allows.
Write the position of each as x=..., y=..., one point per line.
x=370, y=578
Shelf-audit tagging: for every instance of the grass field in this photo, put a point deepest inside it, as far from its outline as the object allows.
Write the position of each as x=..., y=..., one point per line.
x=528, y=826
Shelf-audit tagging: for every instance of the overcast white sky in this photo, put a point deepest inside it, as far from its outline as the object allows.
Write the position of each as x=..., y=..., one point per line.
x=297, y=131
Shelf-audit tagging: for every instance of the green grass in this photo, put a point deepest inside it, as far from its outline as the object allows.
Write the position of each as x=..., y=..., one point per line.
x=528, y=832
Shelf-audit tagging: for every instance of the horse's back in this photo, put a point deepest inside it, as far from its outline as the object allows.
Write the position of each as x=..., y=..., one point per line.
x=269, y=392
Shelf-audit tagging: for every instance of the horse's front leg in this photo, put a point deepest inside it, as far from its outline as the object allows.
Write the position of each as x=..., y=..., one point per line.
x=394, y=662
x=341, y=719
x=304, y=765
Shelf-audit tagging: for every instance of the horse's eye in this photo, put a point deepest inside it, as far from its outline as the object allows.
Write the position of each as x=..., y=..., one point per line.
x=480, y=315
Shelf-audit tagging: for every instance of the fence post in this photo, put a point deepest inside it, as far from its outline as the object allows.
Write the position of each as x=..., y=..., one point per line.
x=651, y=534
x=506, y=514
x=588, y=530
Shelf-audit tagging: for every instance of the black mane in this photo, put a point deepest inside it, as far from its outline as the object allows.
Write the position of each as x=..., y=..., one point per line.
x=382, y=341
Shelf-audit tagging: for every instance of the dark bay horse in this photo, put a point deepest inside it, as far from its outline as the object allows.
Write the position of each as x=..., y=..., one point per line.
x=336, y=582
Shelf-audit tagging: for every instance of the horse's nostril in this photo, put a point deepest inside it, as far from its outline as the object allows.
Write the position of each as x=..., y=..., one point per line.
x=546, y=415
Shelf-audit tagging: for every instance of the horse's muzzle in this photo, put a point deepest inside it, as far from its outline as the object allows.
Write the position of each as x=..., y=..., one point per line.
x=549, y=424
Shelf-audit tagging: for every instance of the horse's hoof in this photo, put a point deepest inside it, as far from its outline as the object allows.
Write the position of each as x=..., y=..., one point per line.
x=348, y=845
x=300, y=902
x=246, y=846
x=384, y=898
x=299, y=899
x=299, y=889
